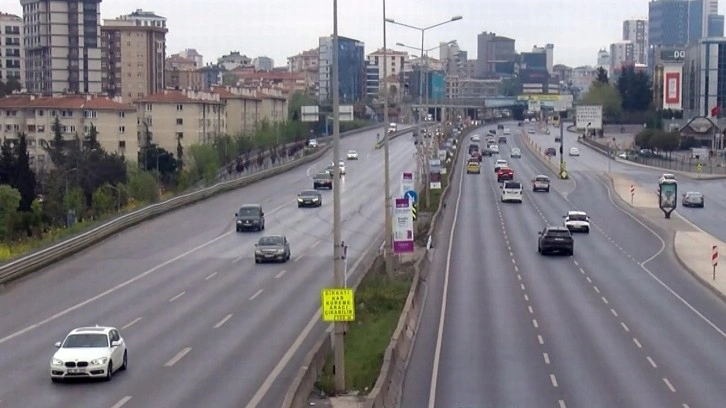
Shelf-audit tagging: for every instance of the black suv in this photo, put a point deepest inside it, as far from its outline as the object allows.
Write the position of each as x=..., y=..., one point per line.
x=555, y=240
x=250, y=217
x=323, y=180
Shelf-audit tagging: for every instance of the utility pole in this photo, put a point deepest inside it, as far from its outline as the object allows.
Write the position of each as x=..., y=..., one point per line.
x=339, y=327
x=387, y=172
x=425, y=140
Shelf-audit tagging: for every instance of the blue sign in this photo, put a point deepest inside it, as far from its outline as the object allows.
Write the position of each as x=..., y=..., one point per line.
x=411, y=195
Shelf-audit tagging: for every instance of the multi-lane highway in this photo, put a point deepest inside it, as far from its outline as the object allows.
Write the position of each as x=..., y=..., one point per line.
x=205, y=325
x=619, y=324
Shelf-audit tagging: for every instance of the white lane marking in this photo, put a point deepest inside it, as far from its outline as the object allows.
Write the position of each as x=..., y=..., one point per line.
x=124, y=284
x=177, y=296
x=546, y=358
x=211, y=275
x=514, y=262
x=526, y=298
x=554, y=380
x=575, y=262
x=279, y=274
x=582, y=271
x=562, y=404
x=625, y=327
x=516, y=268
x=521, y=285
x=256, y=294
x=669, y=385
x=442, y=316
x=540, y=339
x=588, y=279
x=519, y=277
x=613, y=312
x=534, y=323
x=637, y=343
x=237, y=259
x=596, y=289
x=652, y=275
x=121, y=402
x=511, y=254
x=285, y=360
x=316, y=243
x=223, y=321
x=652, y=363
x=299, y=258
x=684, y=405
x=604, y=299
x=531, y=311
x=131, y=323
x=178, y=356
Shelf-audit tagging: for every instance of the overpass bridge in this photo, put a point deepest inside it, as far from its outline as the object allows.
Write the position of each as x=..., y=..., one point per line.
x=489, y=102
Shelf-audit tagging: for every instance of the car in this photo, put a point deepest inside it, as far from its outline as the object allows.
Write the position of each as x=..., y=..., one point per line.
x=323, y=180
x=530, y=131
x=574, y=151
x=475, y=138
x=487, y=152
x=250, y=217
x=541, y=183
x=331, y=168
x=473, y=148
x=512, y=191
x=515, y=153
x=272, y=248
x=693, y=199
x=473, y=166
x=667, y=178
x=392, y=127
x=89, y=352
x=555, y=239
x=309, y=198
x=499, y=164
x=506, y=131
x=352, y=155
x=477, y=156
x=550, y=151
x=502, y=139
x=313, y=143
x=558, y=139
x=505, y=173
x=577, y=221
x=494, y=148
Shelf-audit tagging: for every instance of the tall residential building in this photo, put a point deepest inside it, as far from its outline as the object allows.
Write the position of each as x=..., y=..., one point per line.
x=351, y=69
x=62, y=46
x=133, y=51
x=704, y=77
x=674, y=23
x=636, y=31
x=194, y=55
x=234, y=60
x=549, y=51
x=263, y=63
x=303, y=61
x=603, y=59
x=621, y=53
x=494, y=55
x=12, y=55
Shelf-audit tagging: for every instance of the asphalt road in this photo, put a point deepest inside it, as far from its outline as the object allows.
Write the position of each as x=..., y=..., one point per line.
x=204, y=324
x=620, y=324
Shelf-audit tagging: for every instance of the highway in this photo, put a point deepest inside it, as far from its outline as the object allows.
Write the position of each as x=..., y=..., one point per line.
x=619, y=324
x=205, y=325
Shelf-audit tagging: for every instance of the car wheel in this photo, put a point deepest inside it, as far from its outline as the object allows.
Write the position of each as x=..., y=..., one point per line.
x=125, y=365
x=587, y=230
x=547, y=190
x=109, y=371
x=257, y=260
x=539, y=249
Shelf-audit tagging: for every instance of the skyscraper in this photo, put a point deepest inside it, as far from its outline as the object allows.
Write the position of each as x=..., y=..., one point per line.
x=549, y=51
x=11, y=48
x=636, y=31
x=492, y=52
x=62, y=46
x=351, y=69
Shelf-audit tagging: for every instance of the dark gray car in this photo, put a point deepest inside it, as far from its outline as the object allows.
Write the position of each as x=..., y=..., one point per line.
x=250, y=217
x=272, y=248
x=309, y=198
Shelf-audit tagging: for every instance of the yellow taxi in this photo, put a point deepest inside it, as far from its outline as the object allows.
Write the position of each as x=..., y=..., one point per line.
x=473, y=167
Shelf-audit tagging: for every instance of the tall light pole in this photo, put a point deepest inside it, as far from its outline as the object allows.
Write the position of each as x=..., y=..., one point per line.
x=423, y=30
x=387, y=175
x=338, y=272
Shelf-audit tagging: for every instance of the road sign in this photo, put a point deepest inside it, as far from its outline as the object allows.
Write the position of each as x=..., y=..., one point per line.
x=588, y=114
x=411, y=195
x=714, y=255
x=699, y=168
x=338, y=305
x=309, y=113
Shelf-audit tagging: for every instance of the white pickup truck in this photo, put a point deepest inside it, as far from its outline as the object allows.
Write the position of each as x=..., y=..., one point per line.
x=392, y=127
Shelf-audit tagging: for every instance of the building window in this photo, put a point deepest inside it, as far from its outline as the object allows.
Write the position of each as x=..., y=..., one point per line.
x=179, y=121
x=121, y=144
x=122, y=114
x=148, y=107
x=122, y=129
x=179, y=107
x=179, y=135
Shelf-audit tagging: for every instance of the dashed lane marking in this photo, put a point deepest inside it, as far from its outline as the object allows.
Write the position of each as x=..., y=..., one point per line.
x=625, y=326
x=531, y=311
x=588, y=279
x=280, y=274
x=562, y=404
x=238, y=259
x=637, y=343
x=516, y=268
x=582, y=271
x=178, y=357
x=540, y=339
x=120, y=403
x=223, y=321
x=211, y=275
x=253, y=297
x=604, y=300
x=316, y=243
x=521, y=285
x=546, y=358
x=519, y=277
x=526, y=298
x=596, y=289
x=177, y=296
x=554, y=380
x=652, y=363
x=613, y=312
x=299, y=258
x=535, y=324
x=669, y=385
x=131, y=323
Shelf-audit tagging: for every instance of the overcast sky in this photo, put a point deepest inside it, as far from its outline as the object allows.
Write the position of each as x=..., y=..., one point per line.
x=281, y=28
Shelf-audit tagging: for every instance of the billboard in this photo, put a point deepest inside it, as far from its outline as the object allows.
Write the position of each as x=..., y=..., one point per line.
x=588, y=116
x=437, y=86
x=672, y=86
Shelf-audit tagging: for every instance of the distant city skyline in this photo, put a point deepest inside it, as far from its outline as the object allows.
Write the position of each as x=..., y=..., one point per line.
x=276, y=29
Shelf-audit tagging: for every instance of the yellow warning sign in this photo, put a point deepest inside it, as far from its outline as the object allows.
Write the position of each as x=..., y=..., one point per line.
x=338, y=305
x=699, y=168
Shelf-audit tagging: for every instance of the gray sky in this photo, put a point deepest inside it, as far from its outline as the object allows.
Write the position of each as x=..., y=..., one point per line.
x=281, y=28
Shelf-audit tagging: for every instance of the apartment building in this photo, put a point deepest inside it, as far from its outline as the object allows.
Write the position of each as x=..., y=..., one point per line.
x=190, y=117
x=185, y=79
x=288, y=81
x=62, y=41
x=304, y=61
x=263, y=63
x=133, y=52
x=246, y=108
x=33, y=115
x=12, y=51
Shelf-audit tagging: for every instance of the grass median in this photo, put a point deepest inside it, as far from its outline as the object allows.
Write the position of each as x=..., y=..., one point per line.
x=379, y=301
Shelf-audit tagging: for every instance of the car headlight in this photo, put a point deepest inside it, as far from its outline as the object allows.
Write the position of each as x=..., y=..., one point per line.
x=239, y=221
x=280, y=251
x=99, y=361
x=56, y=362
x=316, y=199
x=258, y=252
x=299, y=200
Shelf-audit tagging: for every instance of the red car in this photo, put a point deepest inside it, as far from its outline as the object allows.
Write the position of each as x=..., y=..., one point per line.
x=505, y=174
x=477, y=156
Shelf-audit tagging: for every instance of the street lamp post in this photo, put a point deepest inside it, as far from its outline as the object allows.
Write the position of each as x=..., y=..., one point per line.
x=420, y=94
x=388, y=234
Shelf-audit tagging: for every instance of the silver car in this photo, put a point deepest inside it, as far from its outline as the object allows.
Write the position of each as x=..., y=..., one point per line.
x=693, y=199
x=272, y=248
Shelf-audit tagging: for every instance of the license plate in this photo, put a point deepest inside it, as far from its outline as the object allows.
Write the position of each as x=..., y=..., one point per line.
x=559, y=239
x=247, y=222
x=76, y=371
x=269, y=255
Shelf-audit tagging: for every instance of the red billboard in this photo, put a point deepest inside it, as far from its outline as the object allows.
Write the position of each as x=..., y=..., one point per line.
x=672, y=88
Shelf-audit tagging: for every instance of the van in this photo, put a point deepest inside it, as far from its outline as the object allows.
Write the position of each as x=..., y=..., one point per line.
x=512, y=191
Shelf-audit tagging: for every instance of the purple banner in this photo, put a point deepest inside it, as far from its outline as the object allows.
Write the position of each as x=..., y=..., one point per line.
x=403, y=240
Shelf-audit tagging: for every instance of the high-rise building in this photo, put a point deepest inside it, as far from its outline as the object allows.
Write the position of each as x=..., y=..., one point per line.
x=621, y=53
x=133, y=52
x=549, y=52
x=351, y=69
x=603, y=59
x=62, y=46
x=304, y=61
x=263, y=63
x=674, y=23
x=11, y=48
x=636, y=31
x=494, y=55
x=704, y=77
x=452, y=57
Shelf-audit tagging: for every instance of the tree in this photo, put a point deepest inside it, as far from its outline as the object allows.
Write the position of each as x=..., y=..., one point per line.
x=12, y=85
x=56, y=149
x=7, y=162
x=645, y=138
x=103, y=199
x=605, y=95
x=91, y=140
x=665, y=141
x=635, y=90
x=142, y=187
x=297, y=101
x=203, y=163
x=24, y=177
x=158, y=158
x=602, y=76
x=9, y=202
x=179, y=154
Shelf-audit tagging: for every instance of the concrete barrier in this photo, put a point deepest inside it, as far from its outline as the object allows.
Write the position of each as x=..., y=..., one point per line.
x=304, y=381
x=539, y=153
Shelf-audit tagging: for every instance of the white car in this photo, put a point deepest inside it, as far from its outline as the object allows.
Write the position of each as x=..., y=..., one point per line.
x=574, y=151
x=507, y=131
x=494, y=148
x=512, y=191
x=530, y=131
x=475, y=138
x=313, y=143
x=499, y=164
x=667, y=178
x=352, y=155
x=516, y=153
x=89, y=352
x=577, y=221
x=341, y=165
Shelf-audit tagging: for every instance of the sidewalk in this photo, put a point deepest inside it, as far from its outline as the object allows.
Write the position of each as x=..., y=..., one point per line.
x=692, y=247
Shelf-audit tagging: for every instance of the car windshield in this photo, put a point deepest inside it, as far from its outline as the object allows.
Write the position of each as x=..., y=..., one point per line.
x=352, y=152
x=245, y=211
x=85, y=341
x=669, y=177
x=514, y=186
x=501, y=162
x=309, y=194
x=577, y=217
x=541, y=178
x=694, y=195
x=515, y=150
x=322, y=176
x=558, y=233
x=270, y=241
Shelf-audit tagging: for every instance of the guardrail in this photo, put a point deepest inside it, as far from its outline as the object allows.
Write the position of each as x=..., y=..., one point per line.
x=37, y=260
x=537, y=151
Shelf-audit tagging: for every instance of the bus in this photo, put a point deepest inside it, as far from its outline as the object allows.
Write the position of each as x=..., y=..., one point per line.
x=556, y=121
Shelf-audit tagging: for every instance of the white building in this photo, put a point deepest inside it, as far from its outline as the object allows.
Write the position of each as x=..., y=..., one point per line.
x=549, y=51
x=234, y=60
x=636, y=31
x=263, y=63
x=396, y=61
x=194, y=55
x=603, y=59
x=11, y=48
